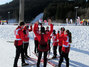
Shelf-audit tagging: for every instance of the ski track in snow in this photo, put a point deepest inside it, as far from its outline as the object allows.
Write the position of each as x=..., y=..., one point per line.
x=79, y=53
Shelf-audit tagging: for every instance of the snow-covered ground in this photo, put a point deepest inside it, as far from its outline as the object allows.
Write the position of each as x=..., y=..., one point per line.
x=79, y=53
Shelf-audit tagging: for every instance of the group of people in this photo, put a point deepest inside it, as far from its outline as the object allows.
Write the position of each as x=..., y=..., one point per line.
x=42, y=42
x=22, y=42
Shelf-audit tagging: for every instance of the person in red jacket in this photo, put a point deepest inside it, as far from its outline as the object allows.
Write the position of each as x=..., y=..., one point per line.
x=49, y=39
x=26, y=31
x=65, y=49
x=43, y=47
x=19, y=44
x=54, y=38
x=36, y=42
x=60, y=38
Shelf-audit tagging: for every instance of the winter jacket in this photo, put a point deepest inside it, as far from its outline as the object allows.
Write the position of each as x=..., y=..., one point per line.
x=35, y=38
x=60, y=38
x=26, y=34
x=66, y=45
x=45, y=36
x=47, y=31
x=54, y=38
x=20, y=37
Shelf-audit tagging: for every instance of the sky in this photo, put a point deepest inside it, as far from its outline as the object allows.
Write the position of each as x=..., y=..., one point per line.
x=4, y=1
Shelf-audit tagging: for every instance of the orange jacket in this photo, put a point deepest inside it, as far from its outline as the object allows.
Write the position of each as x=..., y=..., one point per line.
x=66, y=45
x=20, y=37
x=54, y=38
x=27, y=33
x=46, y=36
x=60, y=38
x=47, y=31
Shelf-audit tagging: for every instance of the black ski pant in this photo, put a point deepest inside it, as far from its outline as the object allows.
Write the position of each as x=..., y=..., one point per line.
x=60, y=50
x=55, y=50
x=64, y=55
x=36, y=46
x=49, y=45
x=19, y=50
x=39, y=58
x=25, y=46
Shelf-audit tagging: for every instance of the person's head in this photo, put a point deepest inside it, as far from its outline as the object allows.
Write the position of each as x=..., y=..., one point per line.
x=42, y=30
x=21, y=24
x=69, y=35
x=62, y=29
x=58, y=31
x=47, y=28
x=49, y=20
x=54, y=32
x=67, y=31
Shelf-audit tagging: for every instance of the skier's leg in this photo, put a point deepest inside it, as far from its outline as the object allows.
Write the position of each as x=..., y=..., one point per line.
x=45, y=59
x=49, y=45
x=39, y=58
x=36, y=46
x=22, y=54
x=60, y=51
x=55, y=51
x=26, y=47
x=67, y=60
x=61, y=60
x=17, y=55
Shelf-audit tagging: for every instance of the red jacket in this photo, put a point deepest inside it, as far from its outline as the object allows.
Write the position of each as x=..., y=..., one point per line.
x=54, y=38
x=46, y=36
x=27, y=33
x=35, y=36
x=47, y=31
x=20, y=37
x=66, y=45
x=60, y=38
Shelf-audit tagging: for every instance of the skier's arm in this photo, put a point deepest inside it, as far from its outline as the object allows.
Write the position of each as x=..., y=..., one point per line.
x=35, y=29
x=51, y=30
x=30, y=28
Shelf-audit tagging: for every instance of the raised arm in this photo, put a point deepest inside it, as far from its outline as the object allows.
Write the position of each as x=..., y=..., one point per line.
x=35, y=29
x=30, y=28
x=51, y=30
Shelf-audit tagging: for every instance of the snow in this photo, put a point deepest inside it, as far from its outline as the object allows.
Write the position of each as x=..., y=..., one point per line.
x=79, y=53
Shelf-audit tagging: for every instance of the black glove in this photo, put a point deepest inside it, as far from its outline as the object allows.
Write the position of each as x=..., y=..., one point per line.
x=24, y=31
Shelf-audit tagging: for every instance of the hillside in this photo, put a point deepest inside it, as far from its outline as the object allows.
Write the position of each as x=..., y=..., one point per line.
x=56, y=9
x=32, y=8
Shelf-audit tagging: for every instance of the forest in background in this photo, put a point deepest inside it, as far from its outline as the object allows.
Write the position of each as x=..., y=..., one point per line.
x=55, y=9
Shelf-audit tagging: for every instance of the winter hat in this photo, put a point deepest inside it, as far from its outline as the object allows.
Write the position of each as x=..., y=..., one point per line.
x=22, y=23
x=62, y=29
x=67, y=31
x=54, y=32
x=42, y=30
x=47, y=28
